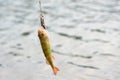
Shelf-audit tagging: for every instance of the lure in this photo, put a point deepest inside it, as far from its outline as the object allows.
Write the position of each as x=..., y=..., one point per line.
x=45, y=43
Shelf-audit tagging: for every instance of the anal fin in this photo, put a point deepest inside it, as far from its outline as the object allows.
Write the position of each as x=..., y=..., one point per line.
x=53, y=57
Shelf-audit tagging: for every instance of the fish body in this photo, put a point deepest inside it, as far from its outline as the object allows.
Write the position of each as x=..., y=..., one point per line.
x=45, y=43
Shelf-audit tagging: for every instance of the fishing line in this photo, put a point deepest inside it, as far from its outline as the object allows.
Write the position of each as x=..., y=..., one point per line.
x=41, y=16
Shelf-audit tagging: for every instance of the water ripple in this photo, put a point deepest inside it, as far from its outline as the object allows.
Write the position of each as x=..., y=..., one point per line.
x=84, y=66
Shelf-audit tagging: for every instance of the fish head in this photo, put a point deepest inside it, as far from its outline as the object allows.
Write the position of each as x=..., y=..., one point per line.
x=42, y=32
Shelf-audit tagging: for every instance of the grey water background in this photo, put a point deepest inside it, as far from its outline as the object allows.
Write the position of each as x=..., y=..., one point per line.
x=84, y=37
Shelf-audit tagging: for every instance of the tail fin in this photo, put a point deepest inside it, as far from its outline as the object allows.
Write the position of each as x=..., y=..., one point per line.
x=56, y=69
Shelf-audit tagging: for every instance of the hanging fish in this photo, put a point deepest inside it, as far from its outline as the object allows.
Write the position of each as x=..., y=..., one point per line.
x=45, y=43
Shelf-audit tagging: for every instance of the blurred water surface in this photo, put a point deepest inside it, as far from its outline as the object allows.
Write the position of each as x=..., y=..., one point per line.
x=84, y=38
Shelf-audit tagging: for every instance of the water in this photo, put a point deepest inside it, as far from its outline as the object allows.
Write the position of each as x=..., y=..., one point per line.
x=84, y=37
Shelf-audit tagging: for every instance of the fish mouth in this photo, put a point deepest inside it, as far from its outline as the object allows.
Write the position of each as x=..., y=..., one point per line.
x=41, y=32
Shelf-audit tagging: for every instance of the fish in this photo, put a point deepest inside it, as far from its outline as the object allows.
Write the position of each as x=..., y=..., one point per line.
x=45, y=44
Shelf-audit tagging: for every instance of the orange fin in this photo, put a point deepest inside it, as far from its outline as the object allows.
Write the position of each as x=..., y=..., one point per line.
x=53, y=57
x=56, y=69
